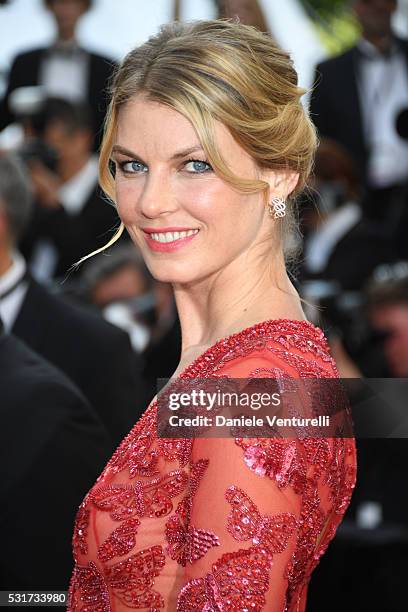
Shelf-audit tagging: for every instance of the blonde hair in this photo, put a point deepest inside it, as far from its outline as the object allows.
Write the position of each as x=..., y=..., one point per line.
x=222, y=71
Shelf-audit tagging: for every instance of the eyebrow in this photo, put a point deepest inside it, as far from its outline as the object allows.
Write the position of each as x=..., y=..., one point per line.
x=177, y=155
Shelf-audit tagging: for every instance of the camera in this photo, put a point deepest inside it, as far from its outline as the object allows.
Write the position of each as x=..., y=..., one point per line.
x=36, y=149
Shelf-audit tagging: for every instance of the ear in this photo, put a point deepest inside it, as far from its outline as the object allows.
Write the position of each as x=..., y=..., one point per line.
x=281, y=182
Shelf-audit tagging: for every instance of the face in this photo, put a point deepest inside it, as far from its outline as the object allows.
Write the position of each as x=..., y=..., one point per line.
x=393, y=320
x=375, y=15
x=67, y=12
x=243, y=9
x=188, y=223
x=67, y=144
x=126, y=283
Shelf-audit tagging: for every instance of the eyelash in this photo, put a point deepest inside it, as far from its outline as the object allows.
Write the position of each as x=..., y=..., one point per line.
x=201, y=161
x=124, y=163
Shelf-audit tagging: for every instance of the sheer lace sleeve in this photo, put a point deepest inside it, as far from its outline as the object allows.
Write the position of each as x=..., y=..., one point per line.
x=216, y=524
x=262, y=511
x=254, y=526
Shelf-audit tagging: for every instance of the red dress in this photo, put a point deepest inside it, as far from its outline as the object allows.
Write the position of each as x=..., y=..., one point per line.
x=216, y=524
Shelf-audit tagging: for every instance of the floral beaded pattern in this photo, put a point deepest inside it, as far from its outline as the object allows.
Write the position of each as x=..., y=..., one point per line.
x=238, y=581
x=144, y=523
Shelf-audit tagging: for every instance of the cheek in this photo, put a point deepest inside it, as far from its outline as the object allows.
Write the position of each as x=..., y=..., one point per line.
x=190, y=190
x=215, y=204
x=127, y=196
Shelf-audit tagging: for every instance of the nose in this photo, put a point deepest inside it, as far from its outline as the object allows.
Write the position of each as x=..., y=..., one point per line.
x=156, y=198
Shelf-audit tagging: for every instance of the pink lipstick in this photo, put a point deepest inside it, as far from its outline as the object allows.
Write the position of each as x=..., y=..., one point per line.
x=168, y=239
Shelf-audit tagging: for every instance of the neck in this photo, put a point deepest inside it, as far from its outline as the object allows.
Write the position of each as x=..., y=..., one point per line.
x=6, y=260
x=236, y=297
x=66, y=35
x=381, y=41
x=69, y=167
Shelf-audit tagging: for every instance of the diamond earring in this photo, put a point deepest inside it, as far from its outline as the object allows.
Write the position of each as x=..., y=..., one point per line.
x=277, y=207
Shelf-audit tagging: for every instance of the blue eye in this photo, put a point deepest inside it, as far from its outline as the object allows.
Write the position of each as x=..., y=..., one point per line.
x=198, y=166
x=132, y=167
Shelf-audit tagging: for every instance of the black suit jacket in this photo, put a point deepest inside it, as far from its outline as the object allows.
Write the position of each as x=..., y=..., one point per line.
x=355, y=256
x=335, y=105
x=96, y=355
x=25, y=71
x=52, y=449
x=73, y=236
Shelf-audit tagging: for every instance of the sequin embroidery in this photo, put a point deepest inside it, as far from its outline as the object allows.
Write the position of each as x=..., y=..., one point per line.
x=154, y=482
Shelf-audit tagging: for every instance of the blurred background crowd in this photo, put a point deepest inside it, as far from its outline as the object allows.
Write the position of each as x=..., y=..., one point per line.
x=81, y=349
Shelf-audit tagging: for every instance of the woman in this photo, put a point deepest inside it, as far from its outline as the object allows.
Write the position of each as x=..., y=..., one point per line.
x=210, y=144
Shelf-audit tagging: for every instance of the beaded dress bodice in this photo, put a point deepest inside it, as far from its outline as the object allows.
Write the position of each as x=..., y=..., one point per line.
x=216, y=524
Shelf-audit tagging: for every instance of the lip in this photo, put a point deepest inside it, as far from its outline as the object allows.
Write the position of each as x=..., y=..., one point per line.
x=163, y=230
x=167, y=247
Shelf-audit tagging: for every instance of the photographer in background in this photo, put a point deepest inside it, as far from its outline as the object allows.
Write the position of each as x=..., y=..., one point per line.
x=387, y=308
x=71, y=219
x=358, y=99
x=95, y=355
x=63, y=69
x=123, y=289
x=369, y=327
x=374, y=535
x=340, y=244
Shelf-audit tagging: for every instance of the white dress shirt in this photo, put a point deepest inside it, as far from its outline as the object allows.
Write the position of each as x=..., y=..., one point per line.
x=73, y=195
x=383, y=91
x=64, y=72
x=10, y=304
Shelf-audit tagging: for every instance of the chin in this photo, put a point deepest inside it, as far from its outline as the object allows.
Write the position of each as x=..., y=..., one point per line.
x=171, y=273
